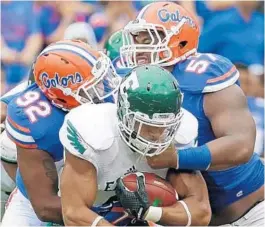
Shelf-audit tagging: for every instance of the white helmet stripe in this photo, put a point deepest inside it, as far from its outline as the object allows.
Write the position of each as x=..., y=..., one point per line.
x=75, y=49
x=140, y=15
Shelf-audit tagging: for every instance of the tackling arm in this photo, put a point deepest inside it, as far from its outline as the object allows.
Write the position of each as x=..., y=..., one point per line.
x=41, y=180
x=78, y=190
x=232, y=125
x=192, y=190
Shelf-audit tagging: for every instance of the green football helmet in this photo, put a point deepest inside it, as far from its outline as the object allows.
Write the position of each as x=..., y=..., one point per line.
x=113, y=45
x=149, y=109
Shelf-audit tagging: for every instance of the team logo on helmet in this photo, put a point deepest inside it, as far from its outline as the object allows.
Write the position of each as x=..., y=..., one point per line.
x=63, y=81
x=166, y=16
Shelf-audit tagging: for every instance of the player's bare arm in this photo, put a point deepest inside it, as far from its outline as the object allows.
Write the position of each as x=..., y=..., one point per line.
x=233, y=125
x=79, y=189
x=192, y=190
x=40, y=177
x=192, y=206
x=3, y=112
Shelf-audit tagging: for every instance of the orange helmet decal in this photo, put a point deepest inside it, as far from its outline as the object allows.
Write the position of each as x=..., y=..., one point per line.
x=71, y=73
x=179, y=39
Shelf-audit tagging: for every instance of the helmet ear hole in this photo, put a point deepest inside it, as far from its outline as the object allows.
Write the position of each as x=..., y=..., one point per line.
x=61, y=100
x=182, y=44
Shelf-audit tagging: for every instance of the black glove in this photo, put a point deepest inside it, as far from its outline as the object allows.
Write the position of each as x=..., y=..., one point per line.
x=136, y=203
x=138, y=223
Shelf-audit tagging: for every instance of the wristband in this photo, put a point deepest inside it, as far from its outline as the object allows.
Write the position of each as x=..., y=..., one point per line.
x=96, y=221
x=187, y=211
x=153, y=214
x=194, y=158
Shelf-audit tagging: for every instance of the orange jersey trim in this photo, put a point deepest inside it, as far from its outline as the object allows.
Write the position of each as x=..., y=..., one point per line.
x=28, y=146
x=223, y=77
x=17, y=126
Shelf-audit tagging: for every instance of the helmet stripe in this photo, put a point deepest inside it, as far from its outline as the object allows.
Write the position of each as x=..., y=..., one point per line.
x=72, y=44
x=142, y=12
x=71, y=48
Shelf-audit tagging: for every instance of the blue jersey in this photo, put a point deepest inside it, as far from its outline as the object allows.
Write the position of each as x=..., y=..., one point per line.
x=33, y=123
x=49, y=19
x=227, y=33
x=199, y=75
x=7, y=97
x=122, y=72
x=15, y=31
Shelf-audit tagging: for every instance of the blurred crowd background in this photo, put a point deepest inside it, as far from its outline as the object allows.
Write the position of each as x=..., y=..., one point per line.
x=234, y=29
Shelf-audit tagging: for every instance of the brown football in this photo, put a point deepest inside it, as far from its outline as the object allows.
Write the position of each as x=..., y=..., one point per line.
x=160, y=192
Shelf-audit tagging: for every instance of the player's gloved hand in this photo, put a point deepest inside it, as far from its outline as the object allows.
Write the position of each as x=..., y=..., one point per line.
x=135, y=202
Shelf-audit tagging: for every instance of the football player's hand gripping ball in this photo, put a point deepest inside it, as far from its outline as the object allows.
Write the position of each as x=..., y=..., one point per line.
x=136, y=202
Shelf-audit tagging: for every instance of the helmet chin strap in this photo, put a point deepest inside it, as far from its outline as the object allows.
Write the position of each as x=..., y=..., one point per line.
x=59, y=106
x=68, y=92
x=181, y=58
x=175, y=29
x=141, y=156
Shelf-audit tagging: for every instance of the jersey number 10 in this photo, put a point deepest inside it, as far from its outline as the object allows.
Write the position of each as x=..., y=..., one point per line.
x=33, y=106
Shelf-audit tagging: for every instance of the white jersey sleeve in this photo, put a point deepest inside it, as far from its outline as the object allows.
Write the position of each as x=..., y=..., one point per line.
x=74, y=143
x=8, y=149
x=187, y=133
x=87, y=132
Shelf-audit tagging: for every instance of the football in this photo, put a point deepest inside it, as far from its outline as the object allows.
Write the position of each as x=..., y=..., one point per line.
x=160, y=192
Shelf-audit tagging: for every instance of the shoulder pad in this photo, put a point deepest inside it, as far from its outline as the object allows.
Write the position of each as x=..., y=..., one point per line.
x=89, y=126
x=187, y=132
x=34, y=123
x=205, y=73
x=7, y=97
x=8, y=149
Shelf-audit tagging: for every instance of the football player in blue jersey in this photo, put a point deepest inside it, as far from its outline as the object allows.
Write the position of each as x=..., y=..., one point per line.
x=8, y=161
x=166, y=34
x=8, y=148
x=67, y=74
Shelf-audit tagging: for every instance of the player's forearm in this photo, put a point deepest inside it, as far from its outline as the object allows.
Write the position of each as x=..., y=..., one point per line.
x=50, y=210
x=3, y=111
x=230, y=151
x=176, y=215
x=222, y=153
x=82, y=216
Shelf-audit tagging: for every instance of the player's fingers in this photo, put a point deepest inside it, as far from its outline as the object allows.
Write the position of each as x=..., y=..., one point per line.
x=120, y=187
x=153, y=162
x=141, y=183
